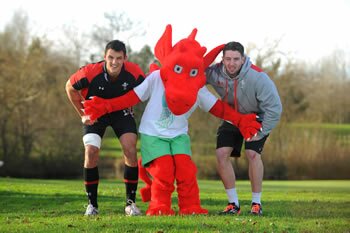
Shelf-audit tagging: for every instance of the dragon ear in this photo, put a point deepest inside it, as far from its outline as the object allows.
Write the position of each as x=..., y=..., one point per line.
x=164, y=44
x=193, y=34
x=210, y=57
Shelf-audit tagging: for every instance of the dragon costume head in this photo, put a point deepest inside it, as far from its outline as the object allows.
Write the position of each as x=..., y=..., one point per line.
x=183, y=69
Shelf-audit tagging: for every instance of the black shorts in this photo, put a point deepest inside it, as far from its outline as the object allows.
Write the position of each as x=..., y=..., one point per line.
x=229, y=136
x=121, y=122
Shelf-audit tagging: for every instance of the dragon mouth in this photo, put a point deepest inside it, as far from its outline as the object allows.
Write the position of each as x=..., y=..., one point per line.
x=179, y=102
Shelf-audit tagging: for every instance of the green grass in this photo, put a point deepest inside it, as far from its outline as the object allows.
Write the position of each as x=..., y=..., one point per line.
x=33, y=205
x=111, y=147
x=339, y=129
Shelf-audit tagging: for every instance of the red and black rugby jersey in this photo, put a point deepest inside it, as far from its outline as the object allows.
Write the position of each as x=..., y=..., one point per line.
x=93, y=80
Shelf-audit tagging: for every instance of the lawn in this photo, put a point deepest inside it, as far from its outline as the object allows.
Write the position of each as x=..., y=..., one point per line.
x=111, y=147
x=33, y=205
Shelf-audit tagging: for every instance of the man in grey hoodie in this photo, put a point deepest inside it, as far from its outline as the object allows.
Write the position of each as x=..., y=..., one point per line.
x=248, y=90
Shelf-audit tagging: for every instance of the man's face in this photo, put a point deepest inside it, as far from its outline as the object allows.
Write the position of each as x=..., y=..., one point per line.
x=114, y=62
x=233, y=62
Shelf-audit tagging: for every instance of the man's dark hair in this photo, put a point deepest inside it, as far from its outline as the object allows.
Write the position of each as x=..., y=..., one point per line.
x=116, y=45
x=234, y=46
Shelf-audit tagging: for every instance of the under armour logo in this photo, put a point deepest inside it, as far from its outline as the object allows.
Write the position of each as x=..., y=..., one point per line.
x=101, y=88
x=128, y=111
x=124, y=85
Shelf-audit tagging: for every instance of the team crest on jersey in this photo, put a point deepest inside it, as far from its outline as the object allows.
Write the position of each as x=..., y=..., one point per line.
x=125, y=85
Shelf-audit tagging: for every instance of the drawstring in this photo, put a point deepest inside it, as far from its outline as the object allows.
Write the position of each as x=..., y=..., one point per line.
x=226, y=91
x=235, y=95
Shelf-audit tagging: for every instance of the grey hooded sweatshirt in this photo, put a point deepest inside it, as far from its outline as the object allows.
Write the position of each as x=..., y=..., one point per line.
x=255, y=93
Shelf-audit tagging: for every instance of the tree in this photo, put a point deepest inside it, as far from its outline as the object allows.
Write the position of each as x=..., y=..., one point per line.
x=329, y=101
x=12, y=44
x=143, y=58
x=32, y=81
x=116, y=26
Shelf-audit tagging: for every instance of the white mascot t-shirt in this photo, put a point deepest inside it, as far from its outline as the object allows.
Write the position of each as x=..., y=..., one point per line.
x=157, y=120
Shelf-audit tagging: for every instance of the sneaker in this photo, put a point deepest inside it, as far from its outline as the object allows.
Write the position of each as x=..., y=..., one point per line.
x=131, y=209
x=91, y=210
x=231, y=208
x=256, y=209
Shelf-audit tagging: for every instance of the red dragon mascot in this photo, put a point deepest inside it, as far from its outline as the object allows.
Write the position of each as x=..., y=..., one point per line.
x=173, y=92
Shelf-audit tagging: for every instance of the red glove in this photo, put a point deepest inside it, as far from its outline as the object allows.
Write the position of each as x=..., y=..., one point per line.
x=247, y=124
x=97, y=106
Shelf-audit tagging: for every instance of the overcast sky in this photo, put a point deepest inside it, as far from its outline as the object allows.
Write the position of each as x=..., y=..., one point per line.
x=308, y=29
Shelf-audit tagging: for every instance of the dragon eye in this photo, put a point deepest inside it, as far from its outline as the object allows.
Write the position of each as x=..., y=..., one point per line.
x=193, y=72
x=178, y=69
